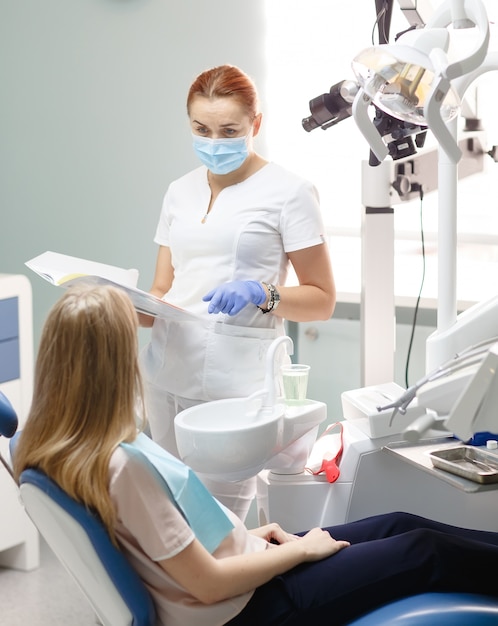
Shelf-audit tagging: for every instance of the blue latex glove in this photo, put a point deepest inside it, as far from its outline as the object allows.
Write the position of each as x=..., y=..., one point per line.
x=232, y=297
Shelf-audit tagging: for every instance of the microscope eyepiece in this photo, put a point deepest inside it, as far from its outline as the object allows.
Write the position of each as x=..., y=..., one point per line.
x=330, y=108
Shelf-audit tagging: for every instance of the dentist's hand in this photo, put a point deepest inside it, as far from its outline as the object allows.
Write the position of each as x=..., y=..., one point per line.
x=232, y=297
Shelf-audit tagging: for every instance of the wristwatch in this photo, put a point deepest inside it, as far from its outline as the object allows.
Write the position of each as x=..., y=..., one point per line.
x=273, y=298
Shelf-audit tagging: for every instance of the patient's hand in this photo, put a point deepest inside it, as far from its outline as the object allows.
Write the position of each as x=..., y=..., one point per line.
x=273, y=533
x=317, y=543
x=320, y=544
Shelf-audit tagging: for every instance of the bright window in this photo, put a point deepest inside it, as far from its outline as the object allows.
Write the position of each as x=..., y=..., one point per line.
x=310, y=45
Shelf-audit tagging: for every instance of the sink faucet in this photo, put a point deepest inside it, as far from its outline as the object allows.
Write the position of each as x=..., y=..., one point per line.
x=269, y=388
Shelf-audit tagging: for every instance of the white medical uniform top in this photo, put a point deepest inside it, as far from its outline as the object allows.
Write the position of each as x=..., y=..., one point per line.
x=246, y=236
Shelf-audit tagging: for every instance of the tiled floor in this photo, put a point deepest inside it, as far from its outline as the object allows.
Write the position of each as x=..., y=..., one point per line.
x=46, y=596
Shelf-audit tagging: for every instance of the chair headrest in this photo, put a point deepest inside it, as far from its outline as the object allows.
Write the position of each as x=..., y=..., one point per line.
x=8, y=417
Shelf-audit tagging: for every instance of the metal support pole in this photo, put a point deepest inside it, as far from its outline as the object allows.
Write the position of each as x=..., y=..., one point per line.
x=377, y=316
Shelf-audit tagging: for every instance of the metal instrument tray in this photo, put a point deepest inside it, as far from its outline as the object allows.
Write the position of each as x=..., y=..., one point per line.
x=469, y=462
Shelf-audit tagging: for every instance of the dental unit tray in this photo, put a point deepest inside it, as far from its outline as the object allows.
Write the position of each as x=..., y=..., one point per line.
x=468, y=462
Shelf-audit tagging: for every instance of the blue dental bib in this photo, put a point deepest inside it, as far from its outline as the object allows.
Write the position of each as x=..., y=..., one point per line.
x=203, y=513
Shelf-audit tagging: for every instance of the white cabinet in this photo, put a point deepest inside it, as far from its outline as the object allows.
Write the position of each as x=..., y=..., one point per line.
x=19, y=542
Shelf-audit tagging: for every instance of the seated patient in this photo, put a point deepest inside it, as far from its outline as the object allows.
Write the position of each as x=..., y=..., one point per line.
x=199, y=562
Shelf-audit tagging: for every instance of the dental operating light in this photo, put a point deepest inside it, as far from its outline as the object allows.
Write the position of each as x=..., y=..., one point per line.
x=398, y=77
x=412, y=78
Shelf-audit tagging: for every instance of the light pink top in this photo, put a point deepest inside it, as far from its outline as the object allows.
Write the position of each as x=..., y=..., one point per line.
x=150, y=529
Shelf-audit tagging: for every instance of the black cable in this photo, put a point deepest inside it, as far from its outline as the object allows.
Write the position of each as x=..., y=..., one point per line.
x=382, y=21
x=417, y=304
x=379, y=25
x=380, y=15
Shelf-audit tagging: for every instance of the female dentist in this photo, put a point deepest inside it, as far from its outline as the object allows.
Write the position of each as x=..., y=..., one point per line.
x=227, y=234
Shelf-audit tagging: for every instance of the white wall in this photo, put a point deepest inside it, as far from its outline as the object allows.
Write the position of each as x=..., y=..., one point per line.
x=93, y=124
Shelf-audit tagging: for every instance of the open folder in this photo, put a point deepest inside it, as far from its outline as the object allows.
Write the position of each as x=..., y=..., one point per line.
x=63, y=270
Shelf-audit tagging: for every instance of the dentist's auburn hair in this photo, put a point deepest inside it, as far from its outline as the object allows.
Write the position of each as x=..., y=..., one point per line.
x=87, y=390
x=226, y=81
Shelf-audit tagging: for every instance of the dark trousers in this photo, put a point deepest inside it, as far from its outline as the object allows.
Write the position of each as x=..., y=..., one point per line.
x=391, y=556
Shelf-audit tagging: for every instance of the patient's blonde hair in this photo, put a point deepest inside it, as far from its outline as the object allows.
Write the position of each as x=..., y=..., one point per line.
x=86, y=393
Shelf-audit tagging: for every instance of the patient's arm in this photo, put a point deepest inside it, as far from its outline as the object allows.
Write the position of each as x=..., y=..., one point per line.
x=211, y=580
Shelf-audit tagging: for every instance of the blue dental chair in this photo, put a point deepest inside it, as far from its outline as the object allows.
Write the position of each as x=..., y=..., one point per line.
x=435, y=609
x=119, y=597
x=82, y=544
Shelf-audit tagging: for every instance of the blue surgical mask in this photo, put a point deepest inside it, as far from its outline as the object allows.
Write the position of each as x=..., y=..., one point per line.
x=221, y=156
